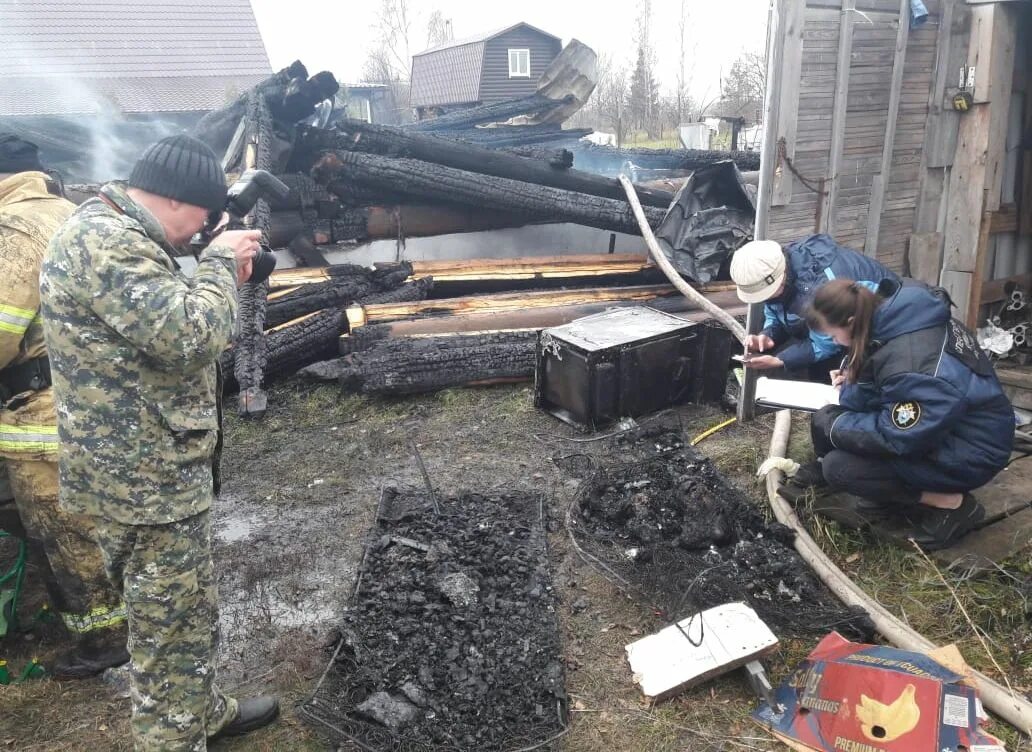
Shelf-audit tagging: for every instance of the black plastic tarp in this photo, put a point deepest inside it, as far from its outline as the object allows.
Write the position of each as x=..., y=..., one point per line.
x=711, y=216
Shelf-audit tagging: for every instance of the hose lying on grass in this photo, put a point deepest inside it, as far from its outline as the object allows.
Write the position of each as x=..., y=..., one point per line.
x=1008, y=705
x=1005, y=703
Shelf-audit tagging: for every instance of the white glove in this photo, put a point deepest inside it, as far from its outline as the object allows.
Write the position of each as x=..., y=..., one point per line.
x=785, y=465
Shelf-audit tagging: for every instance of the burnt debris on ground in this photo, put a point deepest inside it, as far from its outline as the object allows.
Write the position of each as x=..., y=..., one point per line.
x=451, y=640
x=661, y=522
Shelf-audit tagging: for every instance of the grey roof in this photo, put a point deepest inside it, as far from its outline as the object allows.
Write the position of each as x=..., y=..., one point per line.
x=80, y=56
x=450, y=72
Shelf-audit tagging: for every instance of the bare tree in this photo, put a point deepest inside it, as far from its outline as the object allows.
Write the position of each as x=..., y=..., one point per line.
x=438, y=29
x=393, y=30
x=684, y=76
x=389, y=59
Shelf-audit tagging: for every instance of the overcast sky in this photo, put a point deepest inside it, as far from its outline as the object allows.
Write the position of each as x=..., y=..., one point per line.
x=336, y=36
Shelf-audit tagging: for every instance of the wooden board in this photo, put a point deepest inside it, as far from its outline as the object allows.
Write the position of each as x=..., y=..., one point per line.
x=996, y=542
x=1002, y=539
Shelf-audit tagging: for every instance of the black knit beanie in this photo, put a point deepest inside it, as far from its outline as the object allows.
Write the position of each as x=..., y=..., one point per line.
x=18, y=155
x=183, y=168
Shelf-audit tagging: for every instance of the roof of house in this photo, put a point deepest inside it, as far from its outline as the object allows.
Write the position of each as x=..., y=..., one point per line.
x=62, y=57
x=450, y=72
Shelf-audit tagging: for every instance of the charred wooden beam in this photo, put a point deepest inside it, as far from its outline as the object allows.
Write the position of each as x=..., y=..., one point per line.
x=521, y=135
x=290, y=95
x=489, y=113
x=362, y=315
x=310, y=298
x=477, y=269
x=305, y=340
x=384, y=140
x=420, y=181
x=361, y=337
x=560, y=159
x=422, y=364
x=587, y=156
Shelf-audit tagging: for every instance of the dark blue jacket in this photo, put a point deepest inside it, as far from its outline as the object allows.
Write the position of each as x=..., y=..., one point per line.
x=813, y=261
x=927, y=397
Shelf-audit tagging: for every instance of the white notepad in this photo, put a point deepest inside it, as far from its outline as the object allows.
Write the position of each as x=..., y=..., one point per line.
x=796, y=395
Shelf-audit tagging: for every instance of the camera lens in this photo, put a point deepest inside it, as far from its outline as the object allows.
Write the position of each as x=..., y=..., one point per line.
x=263, y=265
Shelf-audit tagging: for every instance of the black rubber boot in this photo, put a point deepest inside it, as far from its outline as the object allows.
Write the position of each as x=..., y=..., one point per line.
x=94, y=653
x=252, y=713
x=935, y=528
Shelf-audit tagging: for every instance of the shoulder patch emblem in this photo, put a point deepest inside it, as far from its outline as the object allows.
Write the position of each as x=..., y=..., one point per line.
x=906, y=415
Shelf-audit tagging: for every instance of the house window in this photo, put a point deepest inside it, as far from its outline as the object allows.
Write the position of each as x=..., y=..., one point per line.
x=519, y=63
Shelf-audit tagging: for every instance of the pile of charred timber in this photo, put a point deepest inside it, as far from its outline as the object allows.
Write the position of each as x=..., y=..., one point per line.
x=423, y=335
x=504, y=165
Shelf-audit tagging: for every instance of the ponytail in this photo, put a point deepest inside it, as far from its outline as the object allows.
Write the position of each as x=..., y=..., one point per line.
x=847, y=305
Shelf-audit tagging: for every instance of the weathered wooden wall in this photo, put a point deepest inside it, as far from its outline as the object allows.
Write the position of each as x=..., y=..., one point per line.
x=853, y=114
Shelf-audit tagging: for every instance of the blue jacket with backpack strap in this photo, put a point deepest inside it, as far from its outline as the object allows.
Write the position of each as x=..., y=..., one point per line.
x=927, y=397
x=812, y=261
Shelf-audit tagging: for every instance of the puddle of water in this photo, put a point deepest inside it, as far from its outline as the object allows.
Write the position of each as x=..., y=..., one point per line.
x=234, y=529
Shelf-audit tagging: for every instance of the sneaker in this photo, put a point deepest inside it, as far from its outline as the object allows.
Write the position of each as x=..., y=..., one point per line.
x=252, y=713
x=935, y=528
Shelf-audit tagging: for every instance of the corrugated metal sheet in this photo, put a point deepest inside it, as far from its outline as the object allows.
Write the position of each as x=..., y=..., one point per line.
x=68, y=56
x=447, y=76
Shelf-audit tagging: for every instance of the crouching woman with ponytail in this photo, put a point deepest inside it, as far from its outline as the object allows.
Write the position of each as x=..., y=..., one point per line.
x=921, y=419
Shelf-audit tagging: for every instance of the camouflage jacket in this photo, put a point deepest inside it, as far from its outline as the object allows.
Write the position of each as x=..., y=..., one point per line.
x=29, y=217
x=133, y=346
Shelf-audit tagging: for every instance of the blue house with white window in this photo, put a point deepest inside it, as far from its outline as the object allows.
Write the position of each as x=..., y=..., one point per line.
x=492, y=67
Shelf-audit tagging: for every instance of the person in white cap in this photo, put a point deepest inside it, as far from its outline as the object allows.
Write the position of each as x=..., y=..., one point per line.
x=785, y=279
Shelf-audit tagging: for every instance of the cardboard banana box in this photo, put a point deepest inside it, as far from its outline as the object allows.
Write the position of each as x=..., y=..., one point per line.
x=851, y=697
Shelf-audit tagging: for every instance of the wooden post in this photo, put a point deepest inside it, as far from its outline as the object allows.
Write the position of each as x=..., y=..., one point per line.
x=788, y=74
x=975, y=182
x=838, y=114
x=881, y=180
x=768, y=160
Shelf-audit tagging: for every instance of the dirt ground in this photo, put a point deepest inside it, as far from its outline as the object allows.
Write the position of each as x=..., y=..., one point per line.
x=300, y=492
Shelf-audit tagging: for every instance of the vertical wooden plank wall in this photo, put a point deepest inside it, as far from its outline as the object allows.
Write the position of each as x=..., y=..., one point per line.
x=860, y=119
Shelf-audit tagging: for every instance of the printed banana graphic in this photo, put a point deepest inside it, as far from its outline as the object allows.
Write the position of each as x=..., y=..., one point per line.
x=883, y=723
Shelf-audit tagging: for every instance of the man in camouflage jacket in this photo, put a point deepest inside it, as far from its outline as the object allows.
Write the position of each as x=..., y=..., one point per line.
x=134, y=346
x=80, y=592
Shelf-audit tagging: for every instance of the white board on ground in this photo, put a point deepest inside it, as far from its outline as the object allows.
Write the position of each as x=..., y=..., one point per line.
x=698, y=648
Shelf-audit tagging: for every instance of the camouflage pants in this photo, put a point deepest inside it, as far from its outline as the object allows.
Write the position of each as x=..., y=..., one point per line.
x=77, y=585
x=165, y=574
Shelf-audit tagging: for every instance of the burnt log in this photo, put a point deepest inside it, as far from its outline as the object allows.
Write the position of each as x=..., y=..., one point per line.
x=290, y=95
x=426, y=181
x=595, y=158
x=310, y=298
x=417, y=289
x=424, y=364
x=360, y=315
x=520, y=135
x=347, y=284
x=383, y=140
x=303, y=341
x=559, y=159
x=361, y=337
x=535, y=104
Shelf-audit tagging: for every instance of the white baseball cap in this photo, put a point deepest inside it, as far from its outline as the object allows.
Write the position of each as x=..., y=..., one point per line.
x=758, y=269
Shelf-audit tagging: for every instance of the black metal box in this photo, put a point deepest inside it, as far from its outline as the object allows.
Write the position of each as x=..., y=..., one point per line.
x=626, y=363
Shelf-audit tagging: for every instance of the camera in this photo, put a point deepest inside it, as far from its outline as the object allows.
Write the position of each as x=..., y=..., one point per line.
x=240, y=199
